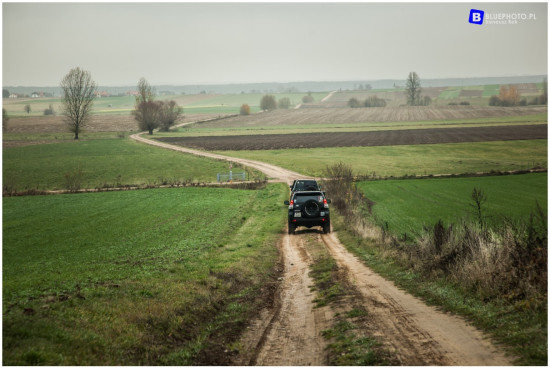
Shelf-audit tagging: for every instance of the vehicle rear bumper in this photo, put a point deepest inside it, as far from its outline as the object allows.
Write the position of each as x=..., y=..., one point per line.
x=309, y=221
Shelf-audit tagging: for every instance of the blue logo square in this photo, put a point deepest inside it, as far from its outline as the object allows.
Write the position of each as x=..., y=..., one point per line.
x=476, y=16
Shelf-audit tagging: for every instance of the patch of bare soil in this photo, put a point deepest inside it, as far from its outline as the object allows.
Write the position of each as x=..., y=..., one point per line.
x=361, y=139
x=342, y=115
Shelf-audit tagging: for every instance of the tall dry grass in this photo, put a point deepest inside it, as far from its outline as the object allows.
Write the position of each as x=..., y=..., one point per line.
x=506, y=260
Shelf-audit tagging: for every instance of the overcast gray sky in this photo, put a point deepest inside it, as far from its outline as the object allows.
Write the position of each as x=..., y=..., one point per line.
x=211, y=43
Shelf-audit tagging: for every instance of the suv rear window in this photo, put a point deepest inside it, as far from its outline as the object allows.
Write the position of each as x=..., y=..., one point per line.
x=304, y=196
x=305, y=185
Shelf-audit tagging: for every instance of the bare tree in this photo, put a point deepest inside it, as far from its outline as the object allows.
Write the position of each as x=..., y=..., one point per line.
x=169, y=113
x=79, y=92
x=413, y=89
x=145, y=92
x=28, y=108
x=5, y=119
x=479, y=197
x=147, y=111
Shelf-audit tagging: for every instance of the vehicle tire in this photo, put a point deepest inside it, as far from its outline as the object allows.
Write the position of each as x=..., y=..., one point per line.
x=311, y=208
x=291, y=229
x=326, y=228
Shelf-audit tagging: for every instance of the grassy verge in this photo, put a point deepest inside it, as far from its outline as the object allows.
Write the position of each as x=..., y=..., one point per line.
x=348, y=343
x=397, y=161
x=156, y=277
x=102, y=163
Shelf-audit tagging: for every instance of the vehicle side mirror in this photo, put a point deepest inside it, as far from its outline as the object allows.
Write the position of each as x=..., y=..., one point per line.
x=328, y=201
x=287, y=203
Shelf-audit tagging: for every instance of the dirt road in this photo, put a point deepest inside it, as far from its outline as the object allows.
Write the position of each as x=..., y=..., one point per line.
x=273, y=172
x=290, y=334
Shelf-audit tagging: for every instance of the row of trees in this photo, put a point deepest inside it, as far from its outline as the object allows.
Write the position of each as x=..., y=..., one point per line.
x=268, y=102
x=373, y=101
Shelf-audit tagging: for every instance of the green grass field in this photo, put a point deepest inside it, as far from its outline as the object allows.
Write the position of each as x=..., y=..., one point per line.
x=145, y=277
x=103, y=162
x=408, y=205
x=426, y=159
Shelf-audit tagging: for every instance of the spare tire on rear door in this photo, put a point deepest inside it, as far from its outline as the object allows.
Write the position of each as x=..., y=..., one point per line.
x=311, y=208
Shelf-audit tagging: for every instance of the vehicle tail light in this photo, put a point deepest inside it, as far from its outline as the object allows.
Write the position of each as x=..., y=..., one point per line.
x=325, y=203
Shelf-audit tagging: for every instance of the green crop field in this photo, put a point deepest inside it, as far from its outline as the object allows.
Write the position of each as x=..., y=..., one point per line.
x=425, y=159
x=490, y=90
x=102, y=162
x=408, y=205
x=450, y=92
x=133, y=278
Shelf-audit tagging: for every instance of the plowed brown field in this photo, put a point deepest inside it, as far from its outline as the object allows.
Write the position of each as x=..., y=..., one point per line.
x=351, y=139
x=336, y=116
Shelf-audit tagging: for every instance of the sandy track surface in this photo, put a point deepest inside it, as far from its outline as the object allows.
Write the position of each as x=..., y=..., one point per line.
x=290, y=333
x=419, y=334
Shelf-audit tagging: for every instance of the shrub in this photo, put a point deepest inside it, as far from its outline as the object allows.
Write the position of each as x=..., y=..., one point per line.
x=268, y=103
x=245, y=109
x=424, y=101
x=284, y=103
x=308, y=99
x=73, y=180
x=494, y=101
x=374, y=101
x=353, y=102
x=49, y=110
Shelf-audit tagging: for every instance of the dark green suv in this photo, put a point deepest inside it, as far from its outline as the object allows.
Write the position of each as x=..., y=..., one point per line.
x=308, y=208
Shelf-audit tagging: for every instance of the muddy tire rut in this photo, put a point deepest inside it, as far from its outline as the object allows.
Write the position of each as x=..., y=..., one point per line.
x=290, y=332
